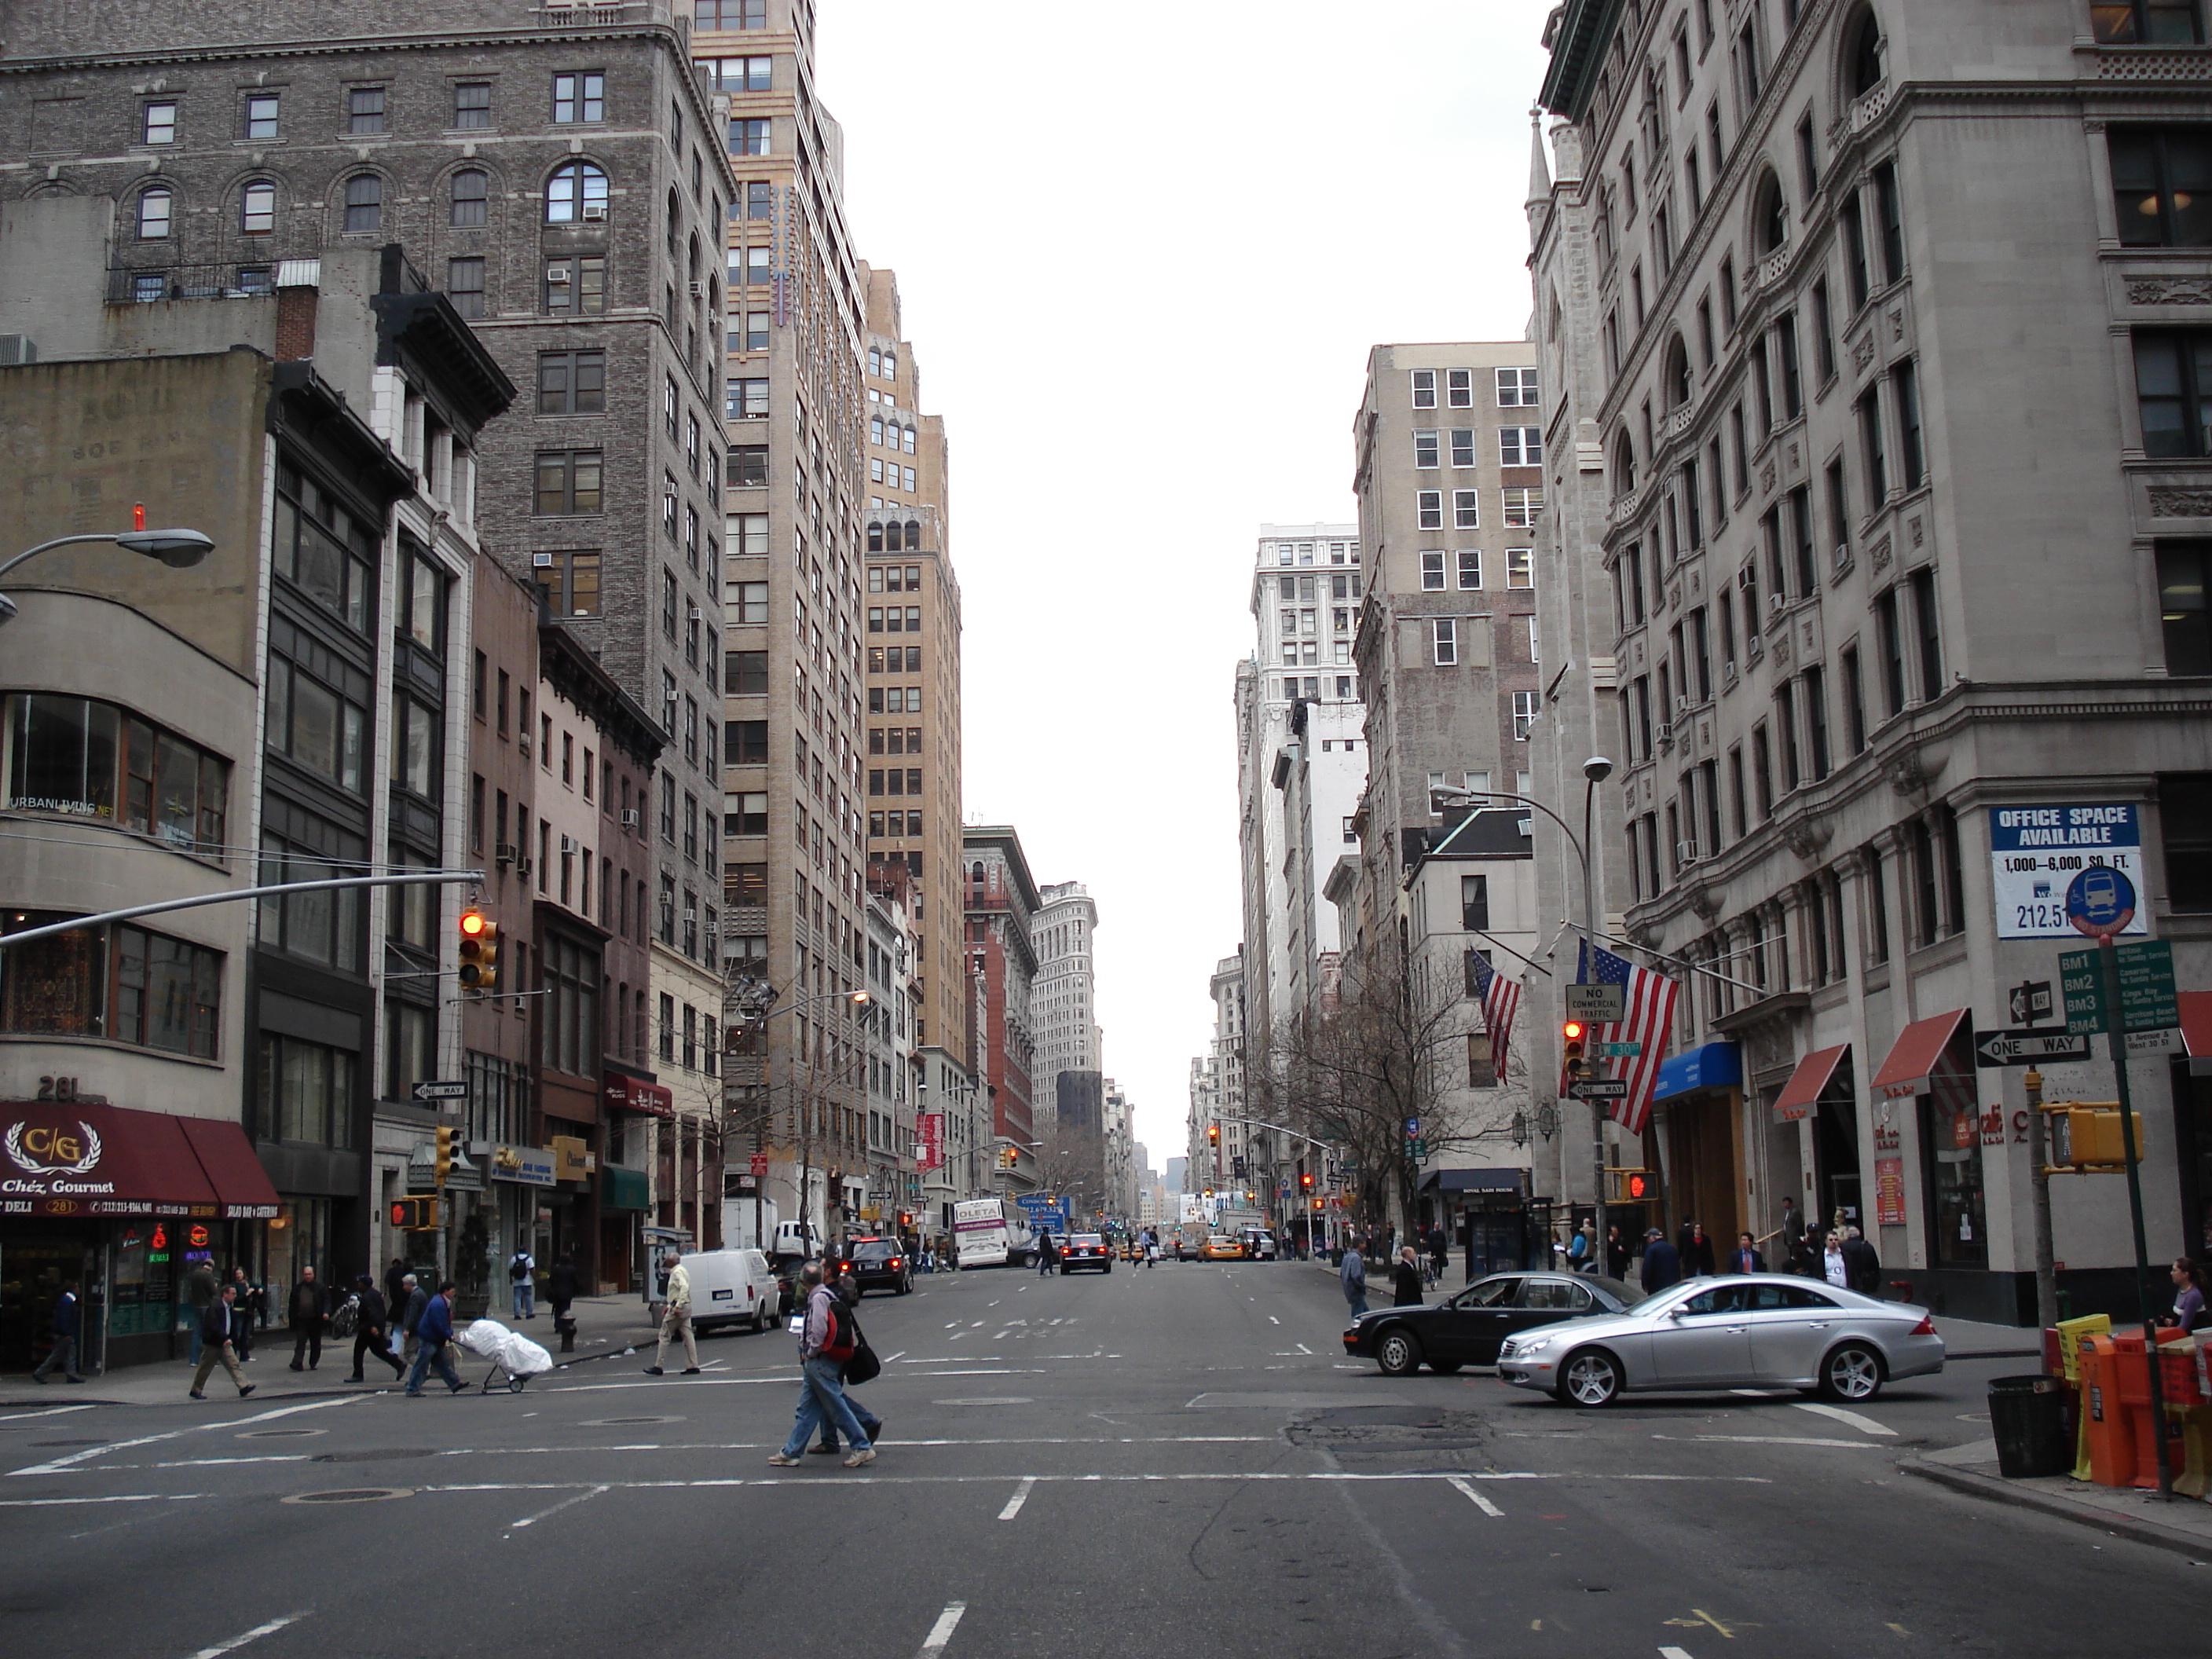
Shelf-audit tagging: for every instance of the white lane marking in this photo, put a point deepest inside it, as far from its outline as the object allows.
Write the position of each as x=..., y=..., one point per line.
x=666, y=1383
x=1021, y=1496
x=801, y=1481
x=953, y=1325
x=565, y=1502
x=51, y=1411
x=118, y=1498
x=977, y=1326
x=1468, y=1491
x=901, y=1354
x=1305, y=1350
x=1863, y=1425
x=947, y=1622
x=1770, y=1440
x=1271, y=1320
x=1674, y=1653
x=995, y=1303
x=60, y=1464
x=253, y=1635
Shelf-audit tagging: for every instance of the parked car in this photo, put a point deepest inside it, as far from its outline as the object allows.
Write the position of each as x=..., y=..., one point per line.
x=878, y=1264
x=732, y=1287
x=1468, y=1329
x=1750, y=1330
x=1085, y=1250
x=1259, y=1244
x=1218, y=1247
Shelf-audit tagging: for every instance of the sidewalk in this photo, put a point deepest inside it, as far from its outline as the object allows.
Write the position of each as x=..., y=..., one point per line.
x=606, y=1325
x=2184, y=1525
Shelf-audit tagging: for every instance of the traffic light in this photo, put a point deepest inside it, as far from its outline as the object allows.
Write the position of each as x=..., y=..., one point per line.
x=1305, y=1181
x=447, y=1138
x=479, y=950
x=1570, y=1047
x=1214, y=1134
x=414, y=1215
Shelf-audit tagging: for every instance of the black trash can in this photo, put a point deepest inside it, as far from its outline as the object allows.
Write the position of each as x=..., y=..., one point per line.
x=2027, y=1414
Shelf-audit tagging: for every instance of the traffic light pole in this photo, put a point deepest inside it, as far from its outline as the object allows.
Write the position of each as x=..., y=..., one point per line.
x=2108, y=966
x=235, y=895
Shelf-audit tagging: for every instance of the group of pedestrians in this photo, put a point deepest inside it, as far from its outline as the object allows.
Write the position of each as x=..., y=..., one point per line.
x=1840, y=1255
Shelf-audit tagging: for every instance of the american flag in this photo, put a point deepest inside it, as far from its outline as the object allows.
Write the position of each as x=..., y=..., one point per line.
x=1649, y=1005
x=1501, y=1001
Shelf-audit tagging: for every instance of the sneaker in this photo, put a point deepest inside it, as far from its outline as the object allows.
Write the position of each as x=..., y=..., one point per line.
x=782, y=1462
x=248, y=1390
x=821, y=1449
x=654, y=1370
x=859, y=1457
x=197, y=1394
x=690, y=1371
x=413, y=1393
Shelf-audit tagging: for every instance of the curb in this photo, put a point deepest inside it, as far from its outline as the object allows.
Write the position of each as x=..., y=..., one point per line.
x=1998, y=1491
x=1996, y=1353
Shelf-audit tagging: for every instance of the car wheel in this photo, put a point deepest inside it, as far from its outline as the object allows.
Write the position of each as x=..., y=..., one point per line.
x=1590, y=1379
x=761, y=1318
x=905, y=1285
x=1852, y=1372
x=1398, y=1351
x=1444, y=1367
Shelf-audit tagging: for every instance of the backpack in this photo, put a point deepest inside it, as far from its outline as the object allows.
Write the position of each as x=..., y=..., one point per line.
x=843, y=1334
x=863, y=1366
x=519, y=1269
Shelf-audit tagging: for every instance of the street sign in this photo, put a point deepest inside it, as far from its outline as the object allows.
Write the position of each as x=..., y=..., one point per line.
x=2081, y=983
x=2036, y=850
x=2100, y=901
x=1413, y=1126
x=2030, y=1001
x=2148, y=1002
x=1997, y=1048
x=441, y=1091
x=758, y=1164
x=1600, y=1088
x=2165, y=1041
x=1617, y=1050
x=1604, y=1004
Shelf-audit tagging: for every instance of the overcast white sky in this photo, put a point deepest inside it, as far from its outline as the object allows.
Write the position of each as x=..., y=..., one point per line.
x=1143, y=250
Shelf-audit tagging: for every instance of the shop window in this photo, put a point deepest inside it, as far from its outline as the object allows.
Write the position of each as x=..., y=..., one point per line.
x=1951, y=1157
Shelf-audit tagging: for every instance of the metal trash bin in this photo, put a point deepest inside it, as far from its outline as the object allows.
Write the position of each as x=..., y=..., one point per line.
x=2027, y=1415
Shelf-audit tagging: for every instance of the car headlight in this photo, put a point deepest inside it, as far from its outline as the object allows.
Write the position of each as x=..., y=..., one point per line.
x=1521, y=1346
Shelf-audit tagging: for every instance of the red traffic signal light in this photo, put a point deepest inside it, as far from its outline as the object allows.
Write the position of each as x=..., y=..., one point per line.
x=1214, y=1134
x=1572, y=1030
x=1305, y=1180
x=479, y=950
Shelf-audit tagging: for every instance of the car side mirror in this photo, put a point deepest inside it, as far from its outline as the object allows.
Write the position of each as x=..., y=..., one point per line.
x=1676, y=1312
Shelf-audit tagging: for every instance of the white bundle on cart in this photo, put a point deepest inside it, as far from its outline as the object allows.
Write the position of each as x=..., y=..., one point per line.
x=507, y=1349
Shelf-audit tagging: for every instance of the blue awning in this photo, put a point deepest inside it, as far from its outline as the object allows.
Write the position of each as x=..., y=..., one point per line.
x=1713, y=1065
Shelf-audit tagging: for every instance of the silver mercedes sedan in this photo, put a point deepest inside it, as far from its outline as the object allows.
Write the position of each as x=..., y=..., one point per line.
x=1748, y=1330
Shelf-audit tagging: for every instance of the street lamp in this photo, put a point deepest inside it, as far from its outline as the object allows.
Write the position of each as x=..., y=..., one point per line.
x=180, y=549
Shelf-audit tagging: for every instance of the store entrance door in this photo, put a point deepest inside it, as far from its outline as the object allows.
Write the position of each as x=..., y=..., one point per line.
x=1705, y=1179
x=34, y=1265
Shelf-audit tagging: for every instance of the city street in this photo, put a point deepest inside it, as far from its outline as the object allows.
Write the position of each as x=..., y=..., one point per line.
x=1175, y=1459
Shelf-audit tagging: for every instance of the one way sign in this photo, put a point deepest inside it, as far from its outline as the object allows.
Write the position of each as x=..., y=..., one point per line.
x=1995, y=1048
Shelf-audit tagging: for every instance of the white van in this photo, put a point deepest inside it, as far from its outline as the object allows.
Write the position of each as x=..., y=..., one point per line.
x=732, y=1287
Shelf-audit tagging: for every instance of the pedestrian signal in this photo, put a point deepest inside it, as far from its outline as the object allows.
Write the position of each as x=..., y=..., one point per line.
x=414, y=1215
x=479, y=950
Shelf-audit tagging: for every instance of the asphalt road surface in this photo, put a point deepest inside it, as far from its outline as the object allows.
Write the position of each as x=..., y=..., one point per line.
x=1144, y=1463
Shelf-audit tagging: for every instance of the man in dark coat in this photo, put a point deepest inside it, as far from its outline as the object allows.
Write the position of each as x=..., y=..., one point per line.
x=1406, y=1279
x=1695, y=1249
x=1662, y=1263
x=309, y=1311
x=370, y=1335
x=410, y=1313
x=245, y=1313
x=216, y=1347
x=395, y=1289
x=1746, y=1258
x=1865, y=1265
x=1616, y=1253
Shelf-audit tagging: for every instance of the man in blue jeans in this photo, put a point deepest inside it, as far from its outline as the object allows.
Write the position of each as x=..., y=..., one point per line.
x=434, y=1335
x=822, y=1388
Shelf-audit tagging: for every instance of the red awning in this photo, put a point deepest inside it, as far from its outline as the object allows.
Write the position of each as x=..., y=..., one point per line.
x=631, y=1094
x=241, y=1185
x=2196, y=1028
x=63, y=1158
x=1806, y=1083
x=1910, y=1067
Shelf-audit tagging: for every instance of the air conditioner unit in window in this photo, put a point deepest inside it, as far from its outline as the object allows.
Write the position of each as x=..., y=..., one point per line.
x=523, y=744
x=1728, y=671
x=1777, y=603
x=541, y=561
x=595, y=210
x=568, y=844
x=1665, y=734
x=1686, y=852
x=522, y=867
x=629, y=817
x=507, y=853
x=698, y=290
x=696, y=613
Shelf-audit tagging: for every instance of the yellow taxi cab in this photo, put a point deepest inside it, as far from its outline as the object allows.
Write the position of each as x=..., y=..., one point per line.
x=1219, y=1248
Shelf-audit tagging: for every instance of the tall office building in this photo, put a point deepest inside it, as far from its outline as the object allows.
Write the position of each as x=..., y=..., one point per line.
x=1885, y=668
x=1001, y=902
x=1064, y=1000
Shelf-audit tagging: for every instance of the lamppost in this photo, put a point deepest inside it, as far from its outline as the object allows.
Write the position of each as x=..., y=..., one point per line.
x=180, y=549
x=753, y=998
x=1595, y=770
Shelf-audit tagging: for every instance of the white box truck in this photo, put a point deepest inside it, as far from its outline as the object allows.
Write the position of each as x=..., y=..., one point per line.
x=991, y=1232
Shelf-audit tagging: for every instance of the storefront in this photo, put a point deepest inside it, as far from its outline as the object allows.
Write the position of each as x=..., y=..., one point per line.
x=1821, y=1092
x=2192, y=1113
x=1486, y=1214
x=641, y=1135
x=624, y=1201
x=1700, y=1131
x=1924, y=1093
x=121, y=1205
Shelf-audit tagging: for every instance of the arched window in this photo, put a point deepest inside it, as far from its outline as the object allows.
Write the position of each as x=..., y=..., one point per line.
x=1863, y=73
x=471, y=192
x=153, y=210
x=1771, y=217
x=675, y=222
x=1678, y=373
x=913, y=535
x=909, y=444
x=364, y=204
x=1624, y=464
x=257, y=208
x=713, y=297
x=575, y=192
x=892, y=541
x=875, y=538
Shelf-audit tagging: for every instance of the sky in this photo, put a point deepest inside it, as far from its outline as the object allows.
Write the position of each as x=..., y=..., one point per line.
x=1143, y=251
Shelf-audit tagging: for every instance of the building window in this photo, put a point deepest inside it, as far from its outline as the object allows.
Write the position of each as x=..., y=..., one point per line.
x=1911, y=453
x=323, y=549
x=579, y=97
x=748, y=136
x=572, y=382
x=118, y=982
x=1889, y=217
x=1875, y=446
x=568, y=1022
x=569, y=581
x=1425, y=449
x=469, y=193
x=2184, y=569
x=752, y=602
x=1520, y=566
x=2162, y=184
x=1470, y=568
x=261, y=115
x=1522, y=507
x=93, y=760
x=472, y=104
x=744, y=743
x=465, y=287
x=1524, y=715
x=1928, y=623
x=154, y=208
x=1429, y=509
x=304, y=1092
x=1517, y=388
x=745, y=398
x=1467, y=509
x=1432, y=574
x=2173, y=392
x=1520, y=445
x=1425, y=388
x=364, y=109
x=2184, y=816
x=745, y=815
x=576, y=193
x=577, y=284
x=568, y=480
x=257, y=208
x=364, y=205
x=748, y=467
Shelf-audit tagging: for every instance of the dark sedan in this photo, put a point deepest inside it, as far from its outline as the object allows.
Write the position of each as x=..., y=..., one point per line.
x=1084, y=1250
x=1468, y=1329
x=878, y=1264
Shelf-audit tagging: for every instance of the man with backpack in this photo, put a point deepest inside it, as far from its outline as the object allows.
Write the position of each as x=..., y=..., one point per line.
x=848, y=1293
x=827, y=1340
x=522, y=1273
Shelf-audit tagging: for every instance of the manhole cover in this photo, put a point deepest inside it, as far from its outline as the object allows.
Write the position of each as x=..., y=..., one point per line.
x=279, y=1434
x=616, y=1422
x=69, y=1443
x=352, y=1495
x=989, y=1400
x=381, y=1456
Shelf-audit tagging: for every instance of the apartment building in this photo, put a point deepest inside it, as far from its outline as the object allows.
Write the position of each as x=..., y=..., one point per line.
x=1217, y=1077
x=1001, y=901
x=794, y=682
x=1873, y=633
x=1300, y=757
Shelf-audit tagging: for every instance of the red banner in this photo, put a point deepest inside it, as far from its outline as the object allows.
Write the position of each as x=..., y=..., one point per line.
x=1889, y=1192
x=929, y=1148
